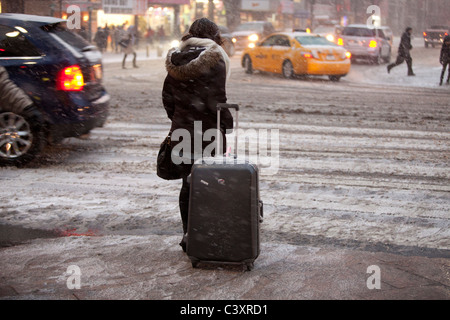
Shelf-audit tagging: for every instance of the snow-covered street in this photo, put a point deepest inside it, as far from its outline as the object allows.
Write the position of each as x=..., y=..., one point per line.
x=363, y=163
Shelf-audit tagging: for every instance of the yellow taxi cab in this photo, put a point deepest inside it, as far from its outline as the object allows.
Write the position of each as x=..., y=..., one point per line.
x=297, y=53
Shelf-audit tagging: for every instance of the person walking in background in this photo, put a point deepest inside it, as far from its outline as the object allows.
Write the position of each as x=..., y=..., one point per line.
x=101, y=39
x=445, y=59
x=404, y=52
x=119, y=34
x=128, y=48
x=106, y=35
x=195, y=84
x=149, y=36
x=113, y=39
x=161, y=34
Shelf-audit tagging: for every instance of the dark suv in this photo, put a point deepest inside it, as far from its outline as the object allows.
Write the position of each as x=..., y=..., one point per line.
x=435, y=35
x=60, y=72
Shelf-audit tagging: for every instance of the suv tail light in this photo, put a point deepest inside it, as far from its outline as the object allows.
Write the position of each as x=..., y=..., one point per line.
x=373, y=44
x=70, y=79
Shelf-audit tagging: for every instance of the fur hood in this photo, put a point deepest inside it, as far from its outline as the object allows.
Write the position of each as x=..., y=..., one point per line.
x=209, y=54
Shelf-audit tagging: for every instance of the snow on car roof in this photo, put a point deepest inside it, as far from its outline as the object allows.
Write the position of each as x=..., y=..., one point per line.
x=30, y=18
x=295, y=33
x=365, y=26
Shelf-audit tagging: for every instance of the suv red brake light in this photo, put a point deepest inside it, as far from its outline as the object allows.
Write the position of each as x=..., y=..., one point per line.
x=70, y=79
x=373, y=44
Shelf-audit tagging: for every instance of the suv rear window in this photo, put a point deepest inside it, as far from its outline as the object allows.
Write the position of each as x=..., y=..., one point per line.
x=14, y=44
x=60, y=30
x=440, y=27
x=358, y=32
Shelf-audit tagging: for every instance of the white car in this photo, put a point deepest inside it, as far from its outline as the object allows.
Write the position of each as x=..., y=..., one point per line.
x=251, y=32
x=366, y=43
x=328, y=32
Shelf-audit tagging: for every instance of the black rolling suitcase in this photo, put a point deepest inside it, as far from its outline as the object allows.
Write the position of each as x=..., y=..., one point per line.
x=225, y=210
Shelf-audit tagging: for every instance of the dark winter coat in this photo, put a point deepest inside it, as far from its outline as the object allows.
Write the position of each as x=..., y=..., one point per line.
x=405, y=45
x=195, y=84
x=445, y=51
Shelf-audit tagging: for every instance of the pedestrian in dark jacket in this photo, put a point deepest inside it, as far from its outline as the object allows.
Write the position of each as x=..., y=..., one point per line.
x=445, y=59
x=195, y=84
x=101, y=39
x=404, y=52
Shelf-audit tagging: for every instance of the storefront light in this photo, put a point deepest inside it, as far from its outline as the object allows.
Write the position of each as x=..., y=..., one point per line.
x=207, y=1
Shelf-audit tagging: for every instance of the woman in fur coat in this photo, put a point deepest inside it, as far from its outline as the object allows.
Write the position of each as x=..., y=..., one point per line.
x=195, y=84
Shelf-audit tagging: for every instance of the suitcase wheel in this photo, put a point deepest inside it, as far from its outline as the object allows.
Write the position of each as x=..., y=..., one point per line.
x=250, y=266
x=194, y=264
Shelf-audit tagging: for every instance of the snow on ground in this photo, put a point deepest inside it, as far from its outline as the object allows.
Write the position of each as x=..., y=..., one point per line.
x=426, y=66
x=362, y=163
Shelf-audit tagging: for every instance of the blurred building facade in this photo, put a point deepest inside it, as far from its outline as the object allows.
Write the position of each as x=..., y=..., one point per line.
x=175, y=15
x=398, y=14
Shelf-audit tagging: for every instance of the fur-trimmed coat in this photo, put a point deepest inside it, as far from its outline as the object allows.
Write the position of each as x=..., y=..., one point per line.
x=195, y=83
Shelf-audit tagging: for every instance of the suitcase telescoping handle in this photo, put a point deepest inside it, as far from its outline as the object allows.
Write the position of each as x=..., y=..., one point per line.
x=221, y=106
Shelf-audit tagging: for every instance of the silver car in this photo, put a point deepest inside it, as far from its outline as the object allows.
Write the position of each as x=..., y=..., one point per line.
x=251, y=32
x=366, y=43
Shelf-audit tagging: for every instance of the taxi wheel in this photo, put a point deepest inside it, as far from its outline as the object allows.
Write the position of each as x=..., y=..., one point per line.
x=334, y=78
x=288, y=69
x=248, y=65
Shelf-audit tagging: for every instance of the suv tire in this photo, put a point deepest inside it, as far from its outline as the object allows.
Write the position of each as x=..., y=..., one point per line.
x=22, y=135
x=378, y=60
x=334, y=78
x=388, y=57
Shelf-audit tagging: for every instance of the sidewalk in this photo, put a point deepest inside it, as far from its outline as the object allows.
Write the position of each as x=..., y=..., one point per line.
x=154, y=267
